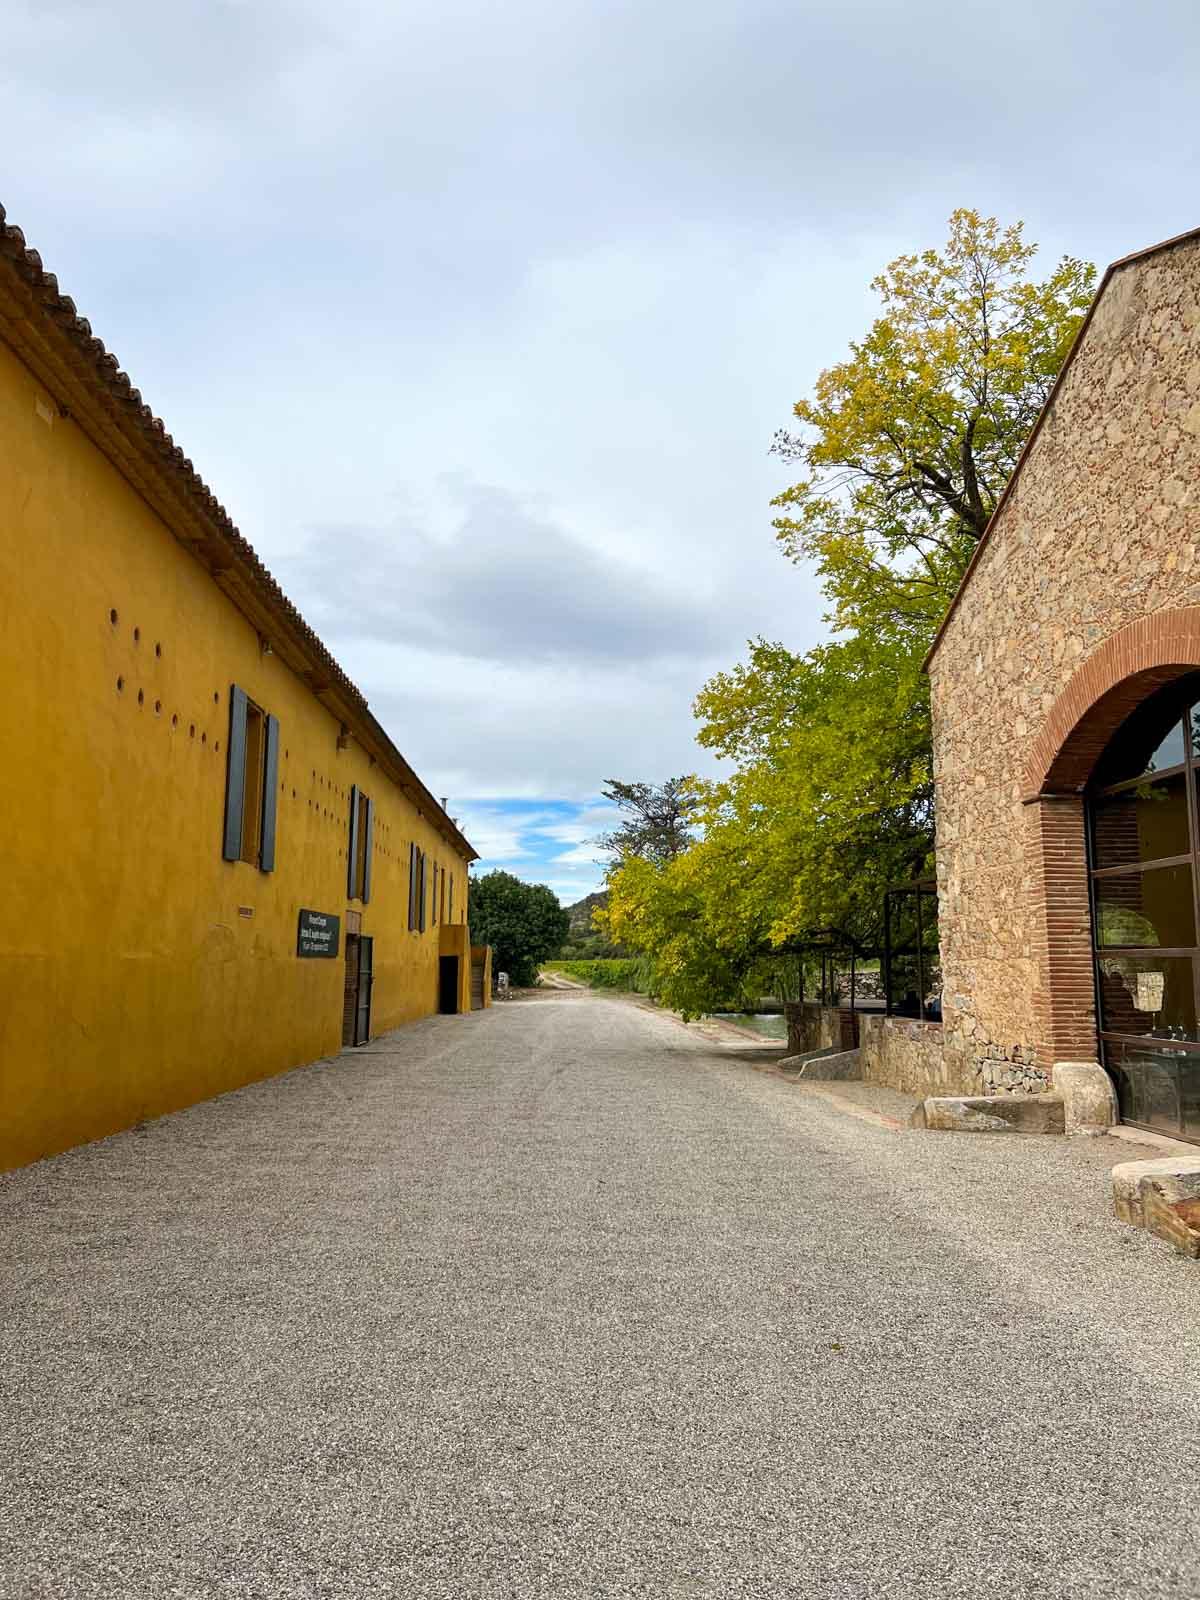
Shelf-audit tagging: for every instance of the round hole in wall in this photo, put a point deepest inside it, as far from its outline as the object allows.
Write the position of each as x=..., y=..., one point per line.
x=191, y=730
x=175, y=720
x=157, y=707
x=217, y=746
x=203, y=738
x=293, y=794
x=141, y=697
x=112, y=617
x=158, y=649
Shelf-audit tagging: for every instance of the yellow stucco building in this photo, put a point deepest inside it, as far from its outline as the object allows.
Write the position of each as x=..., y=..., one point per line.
x=216, y=864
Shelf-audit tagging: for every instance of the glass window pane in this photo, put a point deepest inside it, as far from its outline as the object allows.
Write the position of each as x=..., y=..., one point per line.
x=1145, y=909
x=1158, y=1086
x=1142, y=824
x=1150, y=996
x=1149, y=742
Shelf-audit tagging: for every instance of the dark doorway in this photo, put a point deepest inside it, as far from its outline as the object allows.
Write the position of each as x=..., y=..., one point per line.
x=448, y=985
x=356, y=996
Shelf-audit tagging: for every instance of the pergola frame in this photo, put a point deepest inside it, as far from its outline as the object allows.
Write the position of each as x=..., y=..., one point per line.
x=921, y=890
x=830, y=942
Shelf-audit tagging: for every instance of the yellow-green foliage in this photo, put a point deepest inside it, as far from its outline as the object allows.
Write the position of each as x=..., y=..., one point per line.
x=613, y=974
x=906, y=447
x=907, y=444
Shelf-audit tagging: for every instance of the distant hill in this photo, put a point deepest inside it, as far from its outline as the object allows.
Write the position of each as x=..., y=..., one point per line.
x=581, y=913
x=583, y=942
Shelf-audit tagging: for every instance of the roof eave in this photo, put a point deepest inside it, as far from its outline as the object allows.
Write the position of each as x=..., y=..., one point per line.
x=46, y=332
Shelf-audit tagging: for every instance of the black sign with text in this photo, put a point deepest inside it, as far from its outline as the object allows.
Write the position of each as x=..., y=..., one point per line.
x=317, y=934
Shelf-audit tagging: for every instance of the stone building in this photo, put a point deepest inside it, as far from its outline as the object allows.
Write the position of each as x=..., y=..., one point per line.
x=217, y=864
x=1066, y=702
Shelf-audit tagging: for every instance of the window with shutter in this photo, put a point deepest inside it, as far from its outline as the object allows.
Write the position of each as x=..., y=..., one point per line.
x=421, y=897
x=352, y=847
x=412, y=888
x=270, y=794
x=358, y=848
x=368, y=837
x=251, y=778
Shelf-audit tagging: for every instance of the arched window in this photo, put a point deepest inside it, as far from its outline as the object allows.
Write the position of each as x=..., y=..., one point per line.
x=1144, y=845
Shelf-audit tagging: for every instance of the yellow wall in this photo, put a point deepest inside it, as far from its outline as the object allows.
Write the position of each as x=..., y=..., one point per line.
x=131, y=982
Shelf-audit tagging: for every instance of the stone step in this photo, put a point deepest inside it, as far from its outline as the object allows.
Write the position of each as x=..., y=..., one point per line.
x=992, y=1113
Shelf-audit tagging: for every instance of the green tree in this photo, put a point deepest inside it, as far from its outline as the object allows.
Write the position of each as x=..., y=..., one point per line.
x=907, y=446
x=656, y=819
x=523, y=923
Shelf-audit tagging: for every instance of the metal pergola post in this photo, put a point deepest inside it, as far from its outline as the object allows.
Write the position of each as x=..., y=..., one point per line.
x=887, y=952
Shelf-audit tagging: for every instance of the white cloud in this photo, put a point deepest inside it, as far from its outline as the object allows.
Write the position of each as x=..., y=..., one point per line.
x=480, y=319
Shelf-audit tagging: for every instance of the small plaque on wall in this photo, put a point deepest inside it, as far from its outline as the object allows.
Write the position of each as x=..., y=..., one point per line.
x=317, y=934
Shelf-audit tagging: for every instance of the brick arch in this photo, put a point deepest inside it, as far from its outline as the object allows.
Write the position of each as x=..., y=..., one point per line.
x=1110, y=684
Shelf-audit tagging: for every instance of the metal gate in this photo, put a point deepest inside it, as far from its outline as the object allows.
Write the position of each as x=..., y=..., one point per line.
x=350, y=990
x=356, y=996
x=366, y=978
x=477, y=983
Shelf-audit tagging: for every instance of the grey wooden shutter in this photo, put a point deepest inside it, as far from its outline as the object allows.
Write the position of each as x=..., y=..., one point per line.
x=235, y=774
x=412, y=887
x=352, y=852
x=450, y=918
x=421, y=901
x=369, y=829
x=266, y=857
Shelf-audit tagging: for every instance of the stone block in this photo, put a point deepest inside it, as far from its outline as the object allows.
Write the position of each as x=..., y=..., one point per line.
x=1089, y=1099
x=994, y=1113
x=1132, y=1181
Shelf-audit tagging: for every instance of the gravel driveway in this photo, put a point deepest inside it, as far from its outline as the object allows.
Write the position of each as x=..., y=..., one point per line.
x=560, y=1300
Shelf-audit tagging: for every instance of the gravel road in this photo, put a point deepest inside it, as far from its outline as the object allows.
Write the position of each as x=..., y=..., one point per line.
x=560, y=1300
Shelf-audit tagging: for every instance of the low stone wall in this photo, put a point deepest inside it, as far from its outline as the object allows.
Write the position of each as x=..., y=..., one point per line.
x=908, y=1056
x=812, y=1026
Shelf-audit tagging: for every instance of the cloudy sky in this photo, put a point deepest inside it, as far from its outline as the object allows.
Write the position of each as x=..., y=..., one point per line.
x=479, y=318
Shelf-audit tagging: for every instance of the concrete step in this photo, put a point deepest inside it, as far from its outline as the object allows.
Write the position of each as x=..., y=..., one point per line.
x=831, y=1064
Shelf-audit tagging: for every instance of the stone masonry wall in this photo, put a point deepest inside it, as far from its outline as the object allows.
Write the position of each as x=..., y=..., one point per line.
x=1100, y=530
x=812, y=1026
x=906, y=1055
